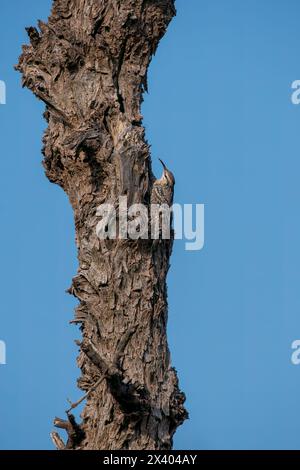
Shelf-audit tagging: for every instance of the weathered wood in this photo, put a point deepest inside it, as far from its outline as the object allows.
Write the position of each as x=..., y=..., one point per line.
x=89, y=65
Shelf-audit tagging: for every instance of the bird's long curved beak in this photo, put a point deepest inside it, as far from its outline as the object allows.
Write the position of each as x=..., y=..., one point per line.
x=162, y=164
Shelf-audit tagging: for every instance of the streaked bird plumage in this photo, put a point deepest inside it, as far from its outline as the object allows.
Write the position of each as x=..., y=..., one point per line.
x=163, y=188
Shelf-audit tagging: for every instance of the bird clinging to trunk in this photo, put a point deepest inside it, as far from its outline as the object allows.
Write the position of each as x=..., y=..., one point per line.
x=163, y=188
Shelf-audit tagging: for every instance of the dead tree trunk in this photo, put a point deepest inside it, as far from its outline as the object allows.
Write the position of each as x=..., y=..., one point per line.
x=89, y=65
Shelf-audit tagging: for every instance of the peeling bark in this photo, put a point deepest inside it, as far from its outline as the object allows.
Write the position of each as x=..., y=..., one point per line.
x=89, y=65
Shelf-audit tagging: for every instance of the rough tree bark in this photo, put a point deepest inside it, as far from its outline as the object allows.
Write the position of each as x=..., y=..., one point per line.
x=89, y=65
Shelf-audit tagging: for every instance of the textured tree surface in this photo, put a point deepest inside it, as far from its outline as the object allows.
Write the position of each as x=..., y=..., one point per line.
x=89, y=65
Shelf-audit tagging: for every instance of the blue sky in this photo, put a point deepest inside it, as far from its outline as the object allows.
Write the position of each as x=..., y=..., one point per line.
x=219, y=112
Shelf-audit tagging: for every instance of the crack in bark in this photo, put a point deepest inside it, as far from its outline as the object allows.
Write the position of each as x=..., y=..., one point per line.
x=117, y=76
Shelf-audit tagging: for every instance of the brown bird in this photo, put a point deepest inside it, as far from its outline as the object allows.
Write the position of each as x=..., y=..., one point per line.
x=163, y=188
